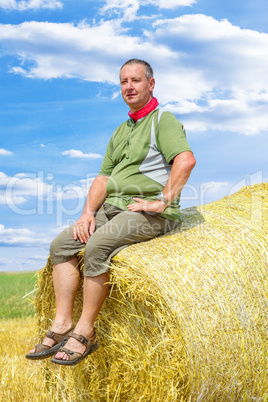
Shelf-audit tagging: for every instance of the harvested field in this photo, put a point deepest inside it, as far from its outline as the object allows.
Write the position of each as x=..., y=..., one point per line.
x=20, y=381
x=186, y=318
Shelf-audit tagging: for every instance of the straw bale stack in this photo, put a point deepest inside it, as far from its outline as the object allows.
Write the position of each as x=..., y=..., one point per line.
x=187, y=315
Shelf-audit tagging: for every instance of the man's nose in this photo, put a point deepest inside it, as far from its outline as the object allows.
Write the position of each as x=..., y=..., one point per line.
x=129, y=84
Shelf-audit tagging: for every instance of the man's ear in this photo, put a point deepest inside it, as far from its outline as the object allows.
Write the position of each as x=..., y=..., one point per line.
x=151, y=84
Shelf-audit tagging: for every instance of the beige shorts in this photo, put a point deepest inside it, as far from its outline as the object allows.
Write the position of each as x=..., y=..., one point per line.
x=115, y=229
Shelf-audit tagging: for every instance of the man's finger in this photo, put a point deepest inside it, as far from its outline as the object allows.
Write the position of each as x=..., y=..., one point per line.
x=92, y=228
x=139, y=199
x=83, y=237
x=80, y=232
x=136, y=207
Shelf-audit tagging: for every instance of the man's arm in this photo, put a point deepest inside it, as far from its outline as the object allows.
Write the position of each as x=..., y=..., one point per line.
x=84, y=227
x=181, y=169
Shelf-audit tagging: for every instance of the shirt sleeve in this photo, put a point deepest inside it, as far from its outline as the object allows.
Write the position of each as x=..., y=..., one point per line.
x=171, y=139
x=107, y=163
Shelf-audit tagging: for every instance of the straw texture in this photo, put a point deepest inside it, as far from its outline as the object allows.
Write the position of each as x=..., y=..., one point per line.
x=186, y=318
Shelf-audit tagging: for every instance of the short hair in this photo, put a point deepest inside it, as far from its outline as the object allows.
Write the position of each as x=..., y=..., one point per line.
x=147, y=68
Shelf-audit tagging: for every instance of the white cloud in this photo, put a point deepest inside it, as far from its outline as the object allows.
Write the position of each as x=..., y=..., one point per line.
x=212, y=73
x=244, y=113
x=58, y=229
x=16, y=260
x=28, y=196
x=34, y=262
x=226, y=56
x=219, y=79
x=184, y=107
x=73, y=191
x=18, y=189
x=129, y=8
x=93, y=53
x=9, y=200
x=20, y=237
x=22, y=186
x=171, y=4
x=73, y=153
x=37, y=258
x=5, y=261
x=30, y=4
x=5, y=152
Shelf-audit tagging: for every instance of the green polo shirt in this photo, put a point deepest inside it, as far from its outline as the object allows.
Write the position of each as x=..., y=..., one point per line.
x=138, y=159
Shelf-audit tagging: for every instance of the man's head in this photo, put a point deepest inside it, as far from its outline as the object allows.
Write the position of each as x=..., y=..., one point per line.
x=147, y=68
x=137, y=83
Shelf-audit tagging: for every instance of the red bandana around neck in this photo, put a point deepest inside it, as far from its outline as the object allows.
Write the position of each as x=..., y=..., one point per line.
x=144, y=111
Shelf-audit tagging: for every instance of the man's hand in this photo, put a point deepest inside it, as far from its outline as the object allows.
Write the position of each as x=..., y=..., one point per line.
x=84, y=227
x=147, y=206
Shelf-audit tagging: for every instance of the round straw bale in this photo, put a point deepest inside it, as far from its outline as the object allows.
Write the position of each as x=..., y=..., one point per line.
x=186, y=317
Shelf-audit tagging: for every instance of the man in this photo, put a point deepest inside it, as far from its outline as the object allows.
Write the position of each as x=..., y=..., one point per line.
x=134, y=198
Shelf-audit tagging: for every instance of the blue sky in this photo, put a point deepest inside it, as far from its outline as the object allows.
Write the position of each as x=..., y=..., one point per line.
x=60, y=102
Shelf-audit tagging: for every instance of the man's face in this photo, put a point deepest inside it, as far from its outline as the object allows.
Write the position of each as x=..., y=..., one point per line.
x=136, y=90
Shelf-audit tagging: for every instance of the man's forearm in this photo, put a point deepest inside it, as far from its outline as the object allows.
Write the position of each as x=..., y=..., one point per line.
x=183, y=164
x=181, y=169
x=84, y=227
x=96, y=195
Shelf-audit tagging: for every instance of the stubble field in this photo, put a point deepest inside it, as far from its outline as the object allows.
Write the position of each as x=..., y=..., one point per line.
x=20, y=380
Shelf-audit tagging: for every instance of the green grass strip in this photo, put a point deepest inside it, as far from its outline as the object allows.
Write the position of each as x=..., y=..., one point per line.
x=13, y=288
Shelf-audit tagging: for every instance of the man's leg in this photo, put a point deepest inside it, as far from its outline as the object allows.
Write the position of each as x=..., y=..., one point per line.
x=124, y=228
x=66, y=276
x=65, y=281
x=94, y=293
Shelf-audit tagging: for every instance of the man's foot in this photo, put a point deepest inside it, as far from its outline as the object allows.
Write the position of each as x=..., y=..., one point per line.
x=75, y=345
x=52, y=342
x=76, y=349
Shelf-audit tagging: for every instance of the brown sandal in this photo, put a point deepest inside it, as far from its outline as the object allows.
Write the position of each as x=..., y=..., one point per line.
x=75, y=357
x=43, y=351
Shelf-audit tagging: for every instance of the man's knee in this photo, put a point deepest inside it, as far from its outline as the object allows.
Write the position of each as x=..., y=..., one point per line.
x=64, y=247
x=56, y=252
x=92, y=251
x=53, y=248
